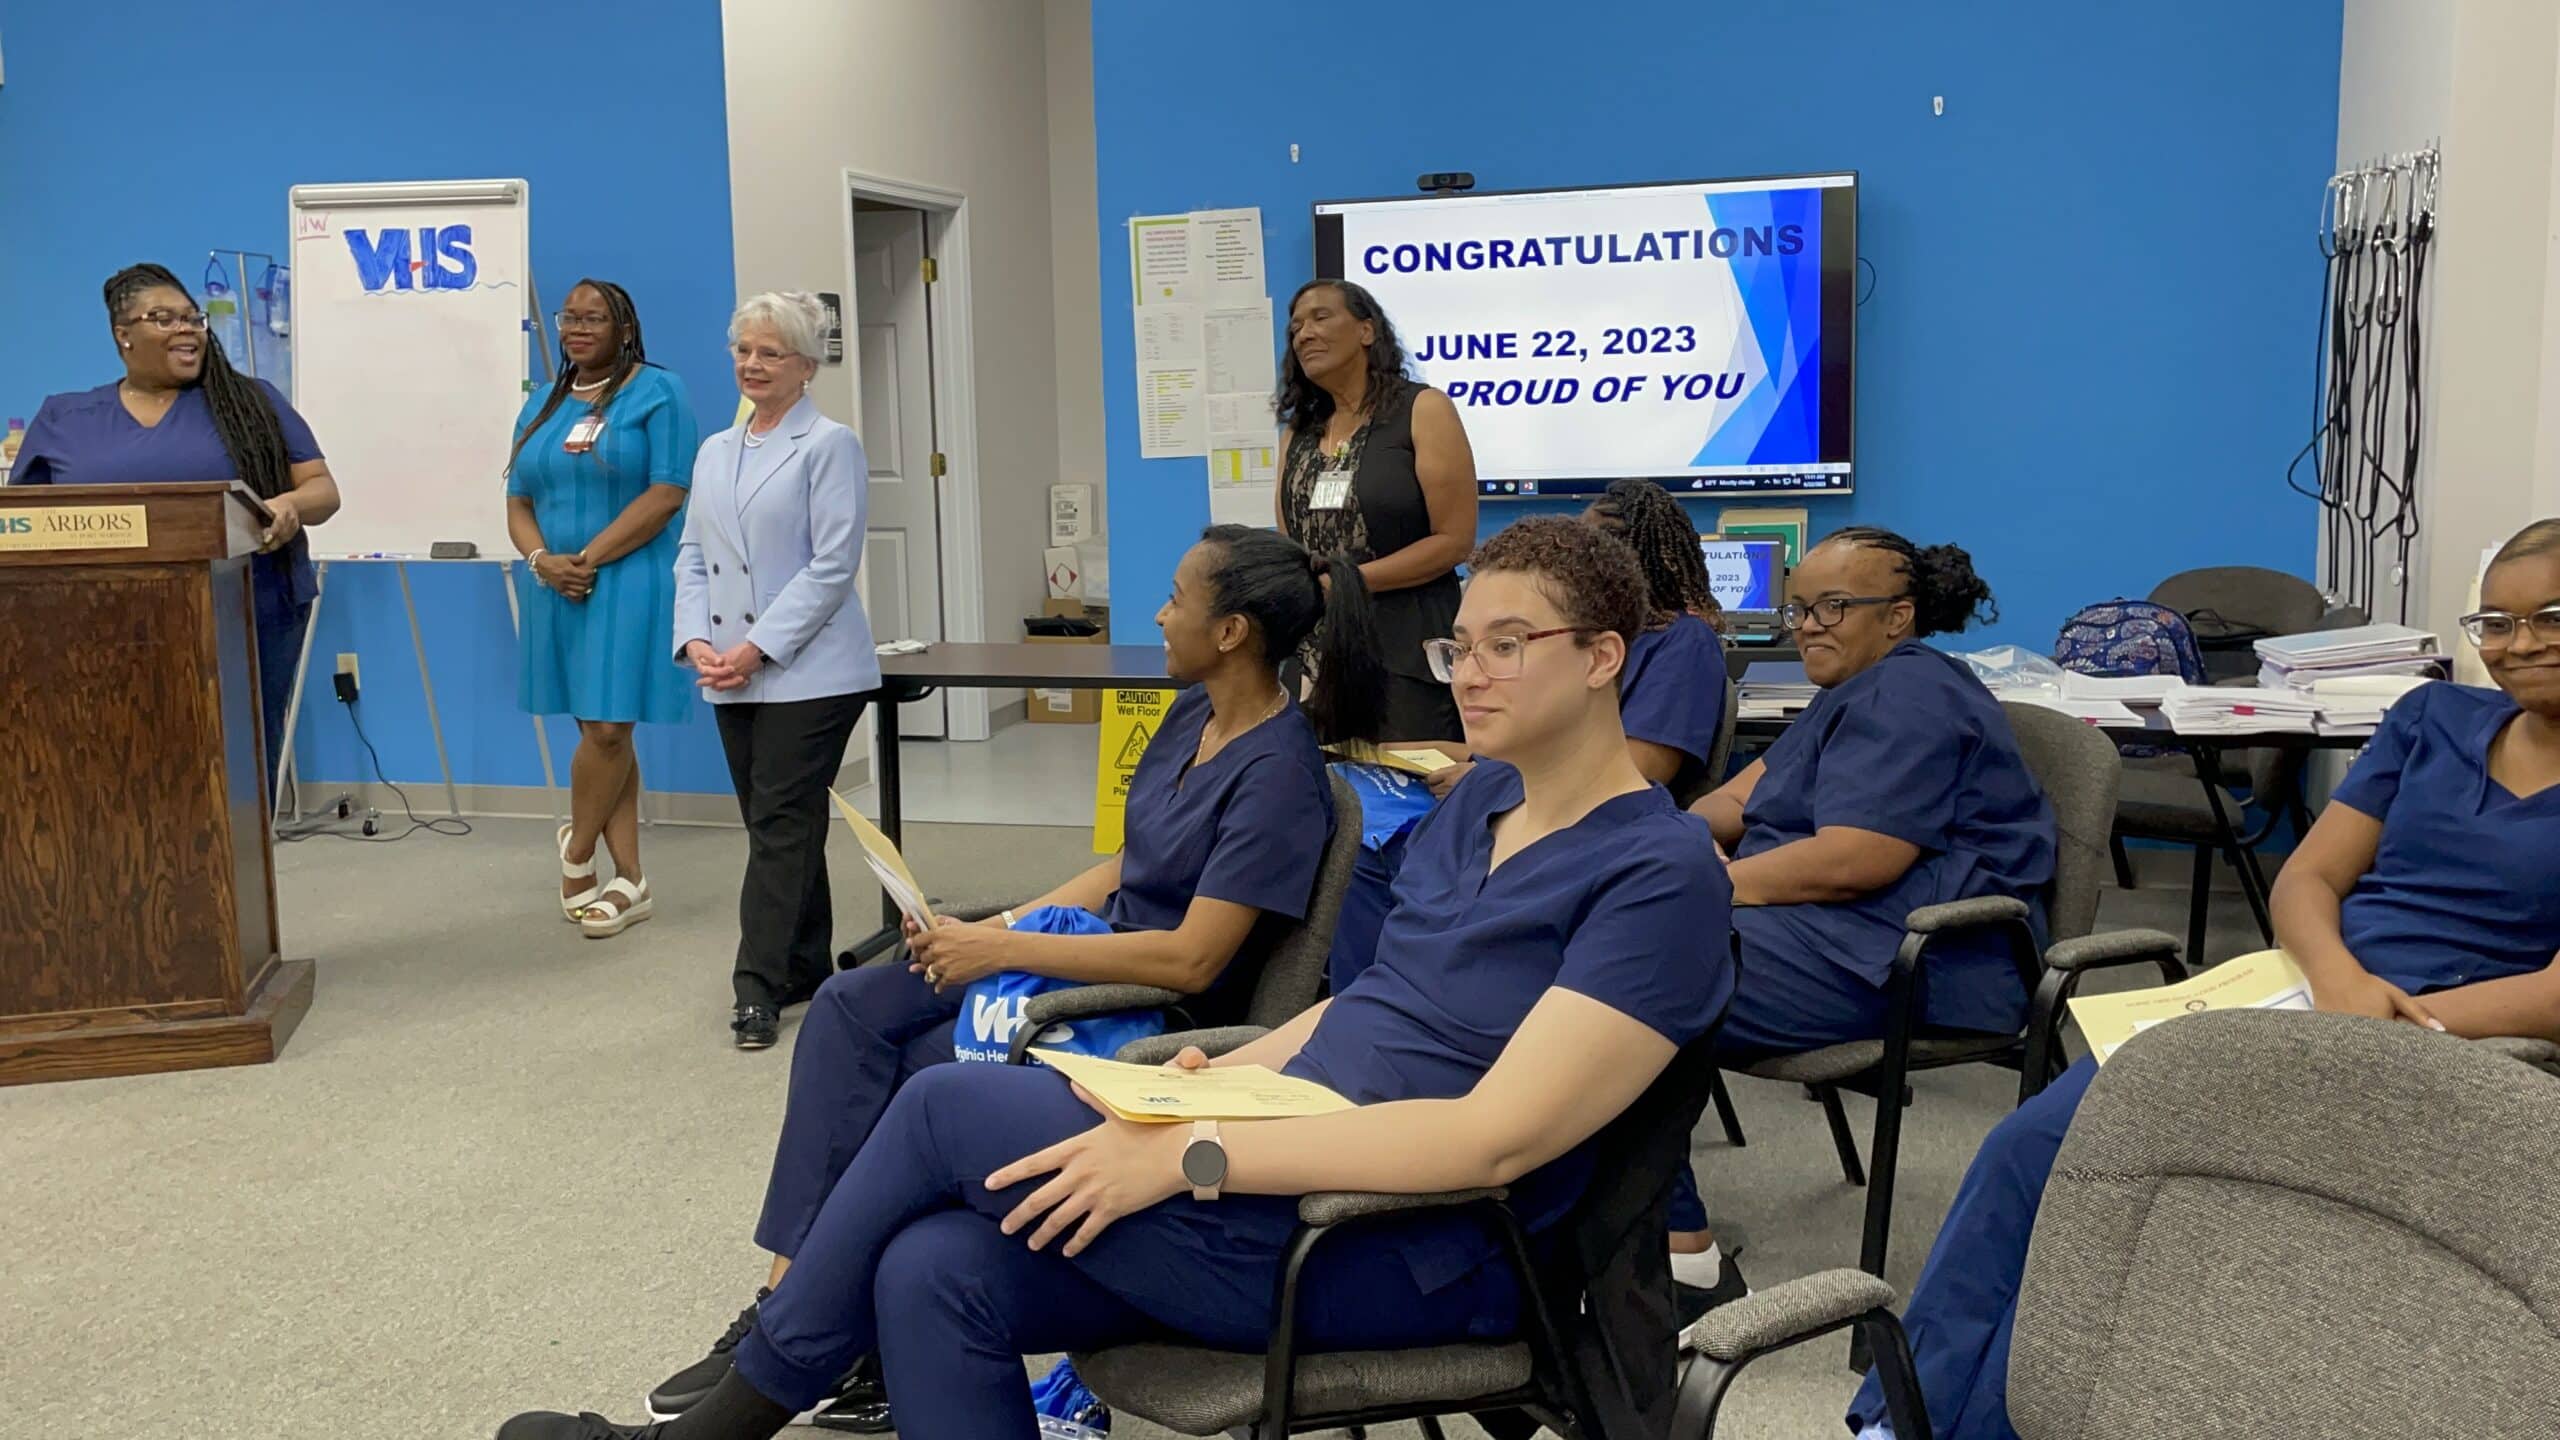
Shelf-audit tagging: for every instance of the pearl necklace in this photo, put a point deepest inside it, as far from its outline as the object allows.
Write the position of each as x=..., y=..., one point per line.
x=590, y=387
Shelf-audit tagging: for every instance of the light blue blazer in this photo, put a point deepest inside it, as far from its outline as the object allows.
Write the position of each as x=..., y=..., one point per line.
x=772, y=540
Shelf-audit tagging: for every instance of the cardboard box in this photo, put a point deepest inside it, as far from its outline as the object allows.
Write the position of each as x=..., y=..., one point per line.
x=1067, y=707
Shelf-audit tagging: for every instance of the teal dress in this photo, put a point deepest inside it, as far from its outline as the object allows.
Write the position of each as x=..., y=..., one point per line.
x=606, y=657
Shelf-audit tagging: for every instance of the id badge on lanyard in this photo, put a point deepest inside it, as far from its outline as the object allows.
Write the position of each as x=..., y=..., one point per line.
x=582, y=436
x=1332, y=492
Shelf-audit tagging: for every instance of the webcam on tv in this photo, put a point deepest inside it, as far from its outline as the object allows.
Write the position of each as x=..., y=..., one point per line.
x=1445, y=182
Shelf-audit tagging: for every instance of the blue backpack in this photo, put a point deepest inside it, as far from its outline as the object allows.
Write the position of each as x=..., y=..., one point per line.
x=2130, y=637
x=991, y=1008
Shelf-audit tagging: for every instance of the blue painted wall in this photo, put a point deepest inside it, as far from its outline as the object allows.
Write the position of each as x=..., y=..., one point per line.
x=151, y=129
x=2087, y=353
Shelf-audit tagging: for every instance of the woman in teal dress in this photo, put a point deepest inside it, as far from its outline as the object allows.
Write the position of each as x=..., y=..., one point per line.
x=601, y=463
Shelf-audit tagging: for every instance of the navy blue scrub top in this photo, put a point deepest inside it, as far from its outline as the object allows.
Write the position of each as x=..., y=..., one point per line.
x=87, y=437
x=2462, y=887
x=1912, y=747
x=1629, y=907
x=1248, y=827
x=1671, y=693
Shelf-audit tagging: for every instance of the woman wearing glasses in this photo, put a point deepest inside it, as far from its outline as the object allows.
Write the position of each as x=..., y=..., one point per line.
x=2423, y=895
x=1542, y=966
x=599, y=469
x=181, y=413
x=1900, y=786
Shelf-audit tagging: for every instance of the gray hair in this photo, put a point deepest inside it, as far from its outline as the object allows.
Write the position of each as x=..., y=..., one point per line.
x=795, y=315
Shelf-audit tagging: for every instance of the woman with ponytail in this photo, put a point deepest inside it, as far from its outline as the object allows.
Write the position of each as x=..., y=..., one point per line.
x=1900, y=787
x=1227, y=818
x=599, y=469
x=181, y=413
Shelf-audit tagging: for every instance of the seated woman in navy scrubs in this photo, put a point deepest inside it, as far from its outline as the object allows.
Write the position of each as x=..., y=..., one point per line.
x=1227, y=816
x=2424, y=895
x=1670, y=695
x=182, y=413
x=1541, y=967
x=1900, y=786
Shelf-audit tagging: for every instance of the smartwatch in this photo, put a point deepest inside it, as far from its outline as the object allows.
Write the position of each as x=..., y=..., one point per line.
x=1204, y=1160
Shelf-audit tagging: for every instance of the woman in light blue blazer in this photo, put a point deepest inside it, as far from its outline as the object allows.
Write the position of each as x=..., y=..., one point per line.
x=767, y=615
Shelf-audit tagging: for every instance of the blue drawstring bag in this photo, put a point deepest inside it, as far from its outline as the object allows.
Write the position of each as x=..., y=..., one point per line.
x=1391, y=801
x=1066, y=1407
x=991, y=1008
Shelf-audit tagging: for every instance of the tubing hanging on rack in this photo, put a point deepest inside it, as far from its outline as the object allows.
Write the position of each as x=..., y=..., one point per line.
x=2377, y=224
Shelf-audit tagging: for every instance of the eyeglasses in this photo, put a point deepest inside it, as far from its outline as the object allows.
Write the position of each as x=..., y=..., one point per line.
x=764, y=354
x=575, y=320
x=2496, y=629
x=169, y=321
x=1830, y=609
x=1498, y=656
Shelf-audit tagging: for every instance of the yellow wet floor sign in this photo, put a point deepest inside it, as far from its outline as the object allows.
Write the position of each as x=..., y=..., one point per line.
x=1130, y=719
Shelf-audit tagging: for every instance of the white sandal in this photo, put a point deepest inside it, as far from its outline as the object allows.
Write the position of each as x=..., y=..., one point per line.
x=571, y=905
x=623, y=904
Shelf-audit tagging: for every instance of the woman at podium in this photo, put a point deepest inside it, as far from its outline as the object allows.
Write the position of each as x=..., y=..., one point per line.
x=181, y=413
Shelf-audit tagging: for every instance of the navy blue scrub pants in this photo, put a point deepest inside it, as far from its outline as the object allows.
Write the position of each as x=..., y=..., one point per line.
x=905, y=1258
x=280, y=637
x=1961, y=1312
x=866, y=1033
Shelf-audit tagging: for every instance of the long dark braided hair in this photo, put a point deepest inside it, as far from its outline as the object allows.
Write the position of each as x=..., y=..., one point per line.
x=1303, y=404
x=632, y=355
x=1658, y=530
x=252, y=437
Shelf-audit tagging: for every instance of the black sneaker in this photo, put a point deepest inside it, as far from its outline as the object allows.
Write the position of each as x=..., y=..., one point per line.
x=1689, y=1302
x=756, y=1027
x=684, y=1389
x=551, y=1425
x=861, y=1403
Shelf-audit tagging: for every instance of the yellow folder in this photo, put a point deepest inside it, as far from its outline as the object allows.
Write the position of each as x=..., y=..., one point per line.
x=2268, y=980
x=1153, y=1094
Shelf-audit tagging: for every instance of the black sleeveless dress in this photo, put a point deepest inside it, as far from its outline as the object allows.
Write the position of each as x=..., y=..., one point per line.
x=1386, y=513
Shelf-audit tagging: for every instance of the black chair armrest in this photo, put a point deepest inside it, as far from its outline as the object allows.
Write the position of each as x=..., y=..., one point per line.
x=1334, y=1207
x=1787, y=1314
x=2065, y=965
x=1044, y=1010
x=1965, y=914
x=2118, y=947
x=1214, y=1042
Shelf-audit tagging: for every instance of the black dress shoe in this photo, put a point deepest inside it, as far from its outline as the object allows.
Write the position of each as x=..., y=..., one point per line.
x=586, y=1425
x=756, y=1026
x=861, y=1403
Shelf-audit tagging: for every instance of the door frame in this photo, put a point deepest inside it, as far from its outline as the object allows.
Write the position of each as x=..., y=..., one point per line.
x=955, y=386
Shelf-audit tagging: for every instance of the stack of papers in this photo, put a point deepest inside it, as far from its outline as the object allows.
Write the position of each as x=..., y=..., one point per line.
x=2297, y=660
x=1773, y=690
x=2227, y=710
x=2351, y=675
x=2114, y=714
x=2146, y=690
x=2355, y=704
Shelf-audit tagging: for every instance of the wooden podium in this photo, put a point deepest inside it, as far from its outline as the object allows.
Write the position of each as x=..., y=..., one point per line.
x=137, y=874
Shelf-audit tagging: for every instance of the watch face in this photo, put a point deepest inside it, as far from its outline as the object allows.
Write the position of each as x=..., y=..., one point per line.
x=1204, y=1163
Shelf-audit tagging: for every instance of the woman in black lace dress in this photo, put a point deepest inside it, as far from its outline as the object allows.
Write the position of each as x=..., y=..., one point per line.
x=1376, y=466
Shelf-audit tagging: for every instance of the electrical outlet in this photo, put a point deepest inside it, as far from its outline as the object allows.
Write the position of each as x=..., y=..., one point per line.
x=347, y=667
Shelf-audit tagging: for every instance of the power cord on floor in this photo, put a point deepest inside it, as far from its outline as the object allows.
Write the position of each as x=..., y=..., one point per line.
x=441, y=825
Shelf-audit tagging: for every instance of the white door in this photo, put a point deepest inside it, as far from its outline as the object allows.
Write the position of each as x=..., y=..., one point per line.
x=893, y=358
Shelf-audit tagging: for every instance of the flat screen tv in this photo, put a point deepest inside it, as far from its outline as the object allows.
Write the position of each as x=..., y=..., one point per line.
x=1701, y=333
